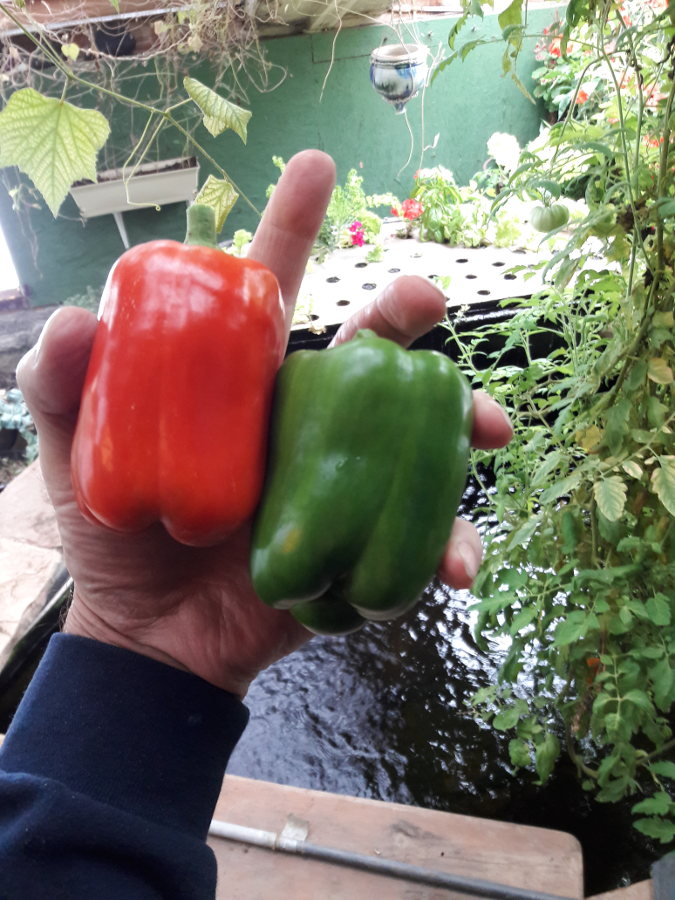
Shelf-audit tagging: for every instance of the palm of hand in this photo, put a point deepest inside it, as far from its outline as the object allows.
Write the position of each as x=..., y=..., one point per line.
x=194, y=608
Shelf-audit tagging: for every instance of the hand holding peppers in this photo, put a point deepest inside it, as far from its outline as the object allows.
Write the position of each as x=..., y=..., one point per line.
x=195, y=608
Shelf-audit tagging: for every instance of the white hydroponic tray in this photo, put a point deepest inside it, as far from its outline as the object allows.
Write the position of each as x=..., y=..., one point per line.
x=345, y=282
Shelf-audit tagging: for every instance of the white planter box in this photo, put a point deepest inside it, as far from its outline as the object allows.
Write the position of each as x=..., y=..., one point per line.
x=148, y=187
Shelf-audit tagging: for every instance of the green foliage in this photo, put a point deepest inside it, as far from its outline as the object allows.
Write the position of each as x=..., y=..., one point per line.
x=579, y=575
x=511, y=20
x=440, y=197
x=576, y=80
x=240, y=240
x=14, y=415
x=51, y=141
x=89, y=299
x=349, y=204
x=219, y=194
x=463, y=215
x=218, y=114
x=56, y=143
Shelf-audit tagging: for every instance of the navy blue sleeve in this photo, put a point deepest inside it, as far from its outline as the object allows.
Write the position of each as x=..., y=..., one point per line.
x=109, y=775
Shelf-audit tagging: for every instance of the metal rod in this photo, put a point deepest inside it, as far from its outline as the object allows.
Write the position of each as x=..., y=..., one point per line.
x=378, y=865
x=121, y=227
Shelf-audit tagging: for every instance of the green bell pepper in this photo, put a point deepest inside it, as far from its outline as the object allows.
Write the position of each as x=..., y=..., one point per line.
x=368, y=460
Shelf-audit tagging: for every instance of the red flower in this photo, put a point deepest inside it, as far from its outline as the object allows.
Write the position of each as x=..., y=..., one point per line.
x=412, y=209
x=554, y=47
x=582, y=97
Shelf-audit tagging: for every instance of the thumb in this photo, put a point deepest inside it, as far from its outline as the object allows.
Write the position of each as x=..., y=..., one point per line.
x=50, y=377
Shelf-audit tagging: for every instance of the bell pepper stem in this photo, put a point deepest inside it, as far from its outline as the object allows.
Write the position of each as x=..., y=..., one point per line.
x=201, y=225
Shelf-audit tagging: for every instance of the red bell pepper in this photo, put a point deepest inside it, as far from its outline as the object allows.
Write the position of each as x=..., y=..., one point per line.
x=173, y=419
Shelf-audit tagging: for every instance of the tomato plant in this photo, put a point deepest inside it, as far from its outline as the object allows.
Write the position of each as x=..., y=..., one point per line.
x=581, y=563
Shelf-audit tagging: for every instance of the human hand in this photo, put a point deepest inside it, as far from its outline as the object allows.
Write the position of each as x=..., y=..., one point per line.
x=195, y=608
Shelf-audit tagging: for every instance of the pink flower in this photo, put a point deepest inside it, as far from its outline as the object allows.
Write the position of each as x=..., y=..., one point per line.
x=357, y=233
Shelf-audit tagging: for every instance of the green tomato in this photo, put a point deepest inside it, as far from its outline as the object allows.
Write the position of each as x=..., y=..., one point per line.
x=605, y=222
x=548, y=218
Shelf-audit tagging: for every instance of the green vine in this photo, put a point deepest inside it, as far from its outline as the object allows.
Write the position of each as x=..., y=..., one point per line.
x=56, y=171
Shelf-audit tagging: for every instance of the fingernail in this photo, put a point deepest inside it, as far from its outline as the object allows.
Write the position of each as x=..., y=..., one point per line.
x=468, y=556
x=37, y=349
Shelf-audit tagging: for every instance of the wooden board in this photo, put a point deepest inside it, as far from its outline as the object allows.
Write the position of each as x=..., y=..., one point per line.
x=642, y=890
x=517, y=855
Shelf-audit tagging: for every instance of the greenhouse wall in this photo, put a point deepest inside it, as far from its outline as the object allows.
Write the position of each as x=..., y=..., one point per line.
x=324, y=101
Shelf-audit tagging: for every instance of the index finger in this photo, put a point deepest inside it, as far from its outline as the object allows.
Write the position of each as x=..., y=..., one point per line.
x=291, y=221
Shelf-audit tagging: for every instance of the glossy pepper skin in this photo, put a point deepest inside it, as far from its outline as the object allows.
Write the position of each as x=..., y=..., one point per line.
x=368, y=459
x=174, y=414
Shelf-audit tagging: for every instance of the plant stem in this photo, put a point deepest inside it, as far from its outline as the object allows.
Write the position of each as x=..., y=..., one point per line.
x=663, y=175
x=626, y=157
x=574, y=756
x=655, y=754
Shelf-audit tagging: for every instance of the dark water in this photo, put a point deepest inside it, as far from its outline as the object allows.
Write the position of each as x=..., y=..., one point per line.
x=381, y=714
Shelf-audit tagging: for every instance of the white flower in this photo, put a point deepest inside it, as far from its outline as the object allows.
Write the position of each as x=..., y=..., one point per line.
x=505, y=150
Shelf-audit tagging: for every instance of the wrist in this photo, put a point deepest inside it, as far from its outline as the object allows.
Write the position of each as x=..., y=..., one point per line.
x=149, y=640
x=81, y=621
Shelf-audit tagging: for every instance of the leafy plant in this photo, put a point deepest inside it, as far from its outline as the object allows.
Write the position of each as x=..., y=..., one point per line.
x=89, y=299
x=462, y=215
x=349, y=203
x=349, y=220
x=579, y=577
x=56, y=143
x=240, y=241
x=575, y=80
x=437, y=192
x=14, y=416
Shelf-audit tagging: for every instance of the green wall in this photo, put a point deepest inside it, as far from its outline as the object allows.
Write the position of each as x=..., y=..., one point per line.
x=464, y=106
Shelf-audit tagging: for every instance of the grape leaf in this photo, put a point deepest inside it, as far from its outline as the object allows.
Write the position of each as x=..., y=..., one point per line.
x=219, y=194
x=53, y=142
x=70, y=51
x=218, y=113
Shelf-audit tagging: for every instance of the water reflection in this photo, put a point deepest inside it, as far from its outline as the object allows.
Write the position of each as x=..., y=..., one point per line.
x=382, y=714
